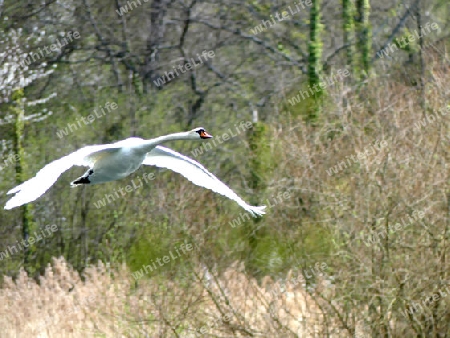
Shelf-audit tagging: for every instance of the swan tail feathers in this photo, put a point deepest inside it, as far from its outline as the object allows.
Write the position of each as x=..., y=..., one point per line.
x=257, y=211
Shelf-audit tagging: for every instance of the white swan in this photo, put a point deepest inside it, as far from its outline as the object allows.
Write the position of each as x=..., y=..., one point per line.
x=110, y=162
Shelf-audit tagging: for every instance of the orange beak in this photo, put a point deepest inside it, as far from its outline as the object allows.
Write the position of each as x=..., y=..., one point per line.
x=204, y=134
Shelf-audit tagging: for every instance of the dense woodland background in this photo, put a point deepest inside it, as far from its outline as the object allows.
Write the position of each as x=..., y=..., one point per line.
x=367, y=235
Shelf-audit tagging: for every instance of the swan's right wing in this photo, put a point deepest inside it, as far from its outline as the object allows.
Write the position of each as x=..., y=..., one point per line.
x=35, y=187
x=196, y=173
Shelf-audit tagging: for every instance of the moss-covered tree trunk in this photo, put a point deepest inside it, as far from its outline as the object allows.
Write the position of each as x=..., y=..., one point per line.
x=16, y=109
x=348, y=13
x=365, y=35
x=315, y=56
x=422, y=61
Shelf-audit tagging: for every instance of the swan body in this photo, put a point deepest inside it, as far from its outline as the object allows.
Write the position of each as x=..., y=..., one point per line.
x=111, y=162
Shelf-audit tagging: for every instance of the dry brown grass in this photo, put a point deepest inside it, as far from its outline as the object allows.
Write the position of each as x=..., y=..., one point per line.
x=105, y=303
x=377, y=282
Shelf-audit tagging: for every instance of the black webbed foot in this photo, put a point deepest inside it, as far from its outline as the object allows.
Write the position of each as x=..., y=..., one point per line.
x=83, y=179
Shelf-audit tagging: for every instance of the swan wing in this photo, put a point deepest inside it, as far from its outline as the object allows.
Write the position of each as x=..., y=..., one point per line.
x=35, y=187
x=167, y=158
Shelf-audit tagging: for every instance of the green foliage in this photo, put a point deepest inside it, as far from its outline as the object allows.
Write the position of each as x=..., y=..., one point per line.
x=153, y=243
x=149, y=246
x=310, y=107
x=261, y=161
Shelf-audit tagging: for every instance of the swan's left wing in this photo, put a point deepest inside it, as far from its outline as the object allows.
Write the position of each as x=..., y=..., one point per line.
x=167, y=158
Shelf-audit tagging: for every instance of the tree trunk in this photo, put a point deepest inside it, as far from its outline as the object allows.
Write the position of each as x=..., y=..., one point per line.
x=17, y=109
x=365, y=35
x=315, y=56
x=348, y=13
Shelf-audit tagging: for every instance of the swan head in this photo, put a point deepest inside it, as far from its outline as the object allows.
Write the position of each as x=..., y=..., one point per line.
x=199, y=133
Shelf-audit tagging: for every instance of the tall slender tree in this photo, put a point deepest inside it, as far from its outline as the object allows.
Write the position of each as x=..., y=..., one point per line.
x=364, y=32
x=315, y=46
x=348, y=12
x=16, y=108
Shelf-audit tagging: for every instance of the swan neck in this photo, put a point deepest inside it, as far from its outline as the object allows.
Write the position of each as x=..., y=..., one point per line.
x=173, y=137
x=150, y=144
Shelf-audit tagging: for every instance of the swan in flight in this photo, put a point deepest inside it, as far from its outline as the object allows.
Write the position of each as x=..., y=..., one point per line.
x=110, y=162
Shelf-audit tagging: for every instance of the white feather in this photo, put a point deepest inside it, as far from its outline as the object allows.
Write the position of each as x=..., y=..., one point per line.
x=163, y=157
x=47, y=176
